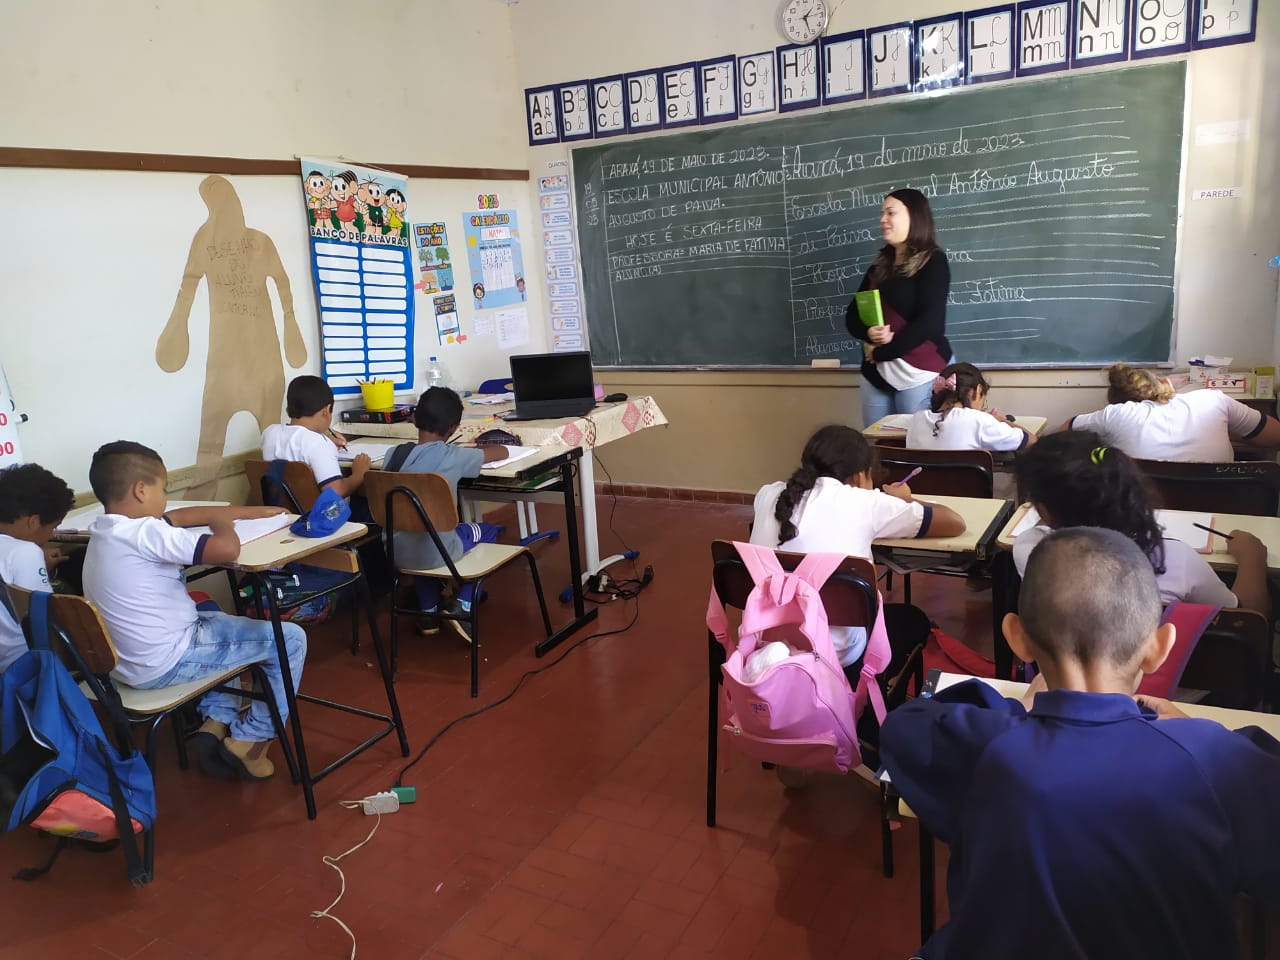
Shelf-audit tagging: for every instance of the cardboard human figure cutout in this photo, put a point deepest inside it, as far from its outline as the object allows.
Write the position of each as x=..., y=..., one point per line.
x=244, y=370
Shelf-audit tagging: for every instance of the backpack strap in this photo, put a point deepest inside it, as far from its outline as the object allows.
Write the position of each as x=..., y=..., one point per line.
x=1190, y=620
x=399, y=454
x=39, y=620
x=875, y=660
x=137, y=871
x=275, y=478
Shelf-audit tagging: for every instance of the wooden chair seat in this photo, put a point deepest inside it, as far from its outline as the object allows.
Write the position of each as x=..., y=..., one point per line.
x=480, y=561
x=148, y=702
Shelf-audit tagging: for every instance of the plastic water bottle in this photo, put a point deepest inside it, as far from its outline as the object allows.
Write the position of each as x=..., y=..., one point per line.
x=436, y=377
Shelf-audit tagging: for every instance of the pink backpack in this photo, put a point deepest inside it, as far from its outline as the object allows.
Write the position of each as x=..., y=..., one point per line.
x=800, y=712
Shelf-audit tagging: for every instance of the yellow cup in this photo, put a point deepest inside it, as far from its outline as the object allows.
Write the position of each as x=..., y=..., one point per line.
x=378, y=395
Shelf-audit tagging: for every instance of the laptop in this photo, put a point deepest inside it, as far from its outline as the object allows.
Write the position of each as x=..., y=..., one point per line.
x=552, y=385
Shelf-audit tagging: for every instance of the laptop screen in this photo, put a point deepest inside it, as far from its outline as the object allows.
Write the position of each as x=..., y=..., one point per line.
x=552, y=376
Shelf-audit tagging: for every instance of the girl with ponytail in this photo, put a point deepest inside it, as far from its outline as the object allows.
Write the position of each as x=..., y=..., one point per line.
x=830, y=505
x=1074, y=480
x=958, y=418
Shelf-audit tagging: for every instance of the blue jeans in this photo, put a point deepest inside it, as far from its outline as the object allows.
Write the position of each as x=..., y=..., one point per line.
x=221, y=641
x=877, y=403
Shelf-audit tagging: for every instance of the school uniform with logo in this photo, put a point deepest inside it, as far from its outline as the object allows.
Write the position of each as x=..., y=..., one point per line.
x=21, y=565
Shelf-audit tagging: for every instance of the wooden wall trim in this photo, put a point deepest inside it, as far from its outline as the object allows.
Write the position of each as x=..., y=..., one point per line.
x=55, y=159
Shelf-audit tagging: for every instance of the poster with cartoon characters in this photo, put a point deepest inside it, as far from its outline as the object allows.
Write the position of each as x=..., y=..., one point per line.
x=493, y=254
x=357, y=218
x=435, y=266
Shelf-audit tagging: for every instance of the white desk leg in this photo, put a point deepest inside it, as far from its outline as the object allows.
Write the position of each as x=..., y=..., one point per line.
x=592, y=564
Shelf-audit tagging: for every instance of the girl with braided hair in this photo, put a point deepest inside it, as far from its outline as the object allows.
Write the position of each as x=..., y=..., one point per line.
x=830, y=505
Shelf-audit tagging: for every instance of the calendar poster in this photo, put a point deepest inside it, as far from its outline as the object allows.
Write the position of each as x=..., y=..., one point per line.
x=493, y=254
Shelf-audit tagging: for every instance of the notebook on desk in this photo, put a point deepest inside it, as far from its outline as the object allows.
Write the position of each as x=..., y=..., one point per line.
x=1176, y=524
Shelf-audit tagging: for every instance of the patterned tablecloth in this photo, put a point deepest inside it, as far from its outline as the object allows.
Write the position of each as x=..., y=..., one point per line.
x=606, y=423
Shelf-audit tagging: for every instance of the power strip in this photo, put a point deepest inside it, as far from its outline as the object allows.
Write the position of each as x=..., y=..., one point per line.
x=383, y=802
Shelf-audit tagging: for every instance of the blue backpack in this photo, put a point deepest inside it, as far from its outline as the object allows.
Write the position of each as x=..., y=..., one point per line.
x=58, y=773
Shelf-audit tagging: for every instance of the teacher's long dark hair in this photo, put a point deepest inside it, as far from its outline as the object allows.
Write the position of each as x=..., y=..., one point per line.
x=835, y=451
x=922, y=239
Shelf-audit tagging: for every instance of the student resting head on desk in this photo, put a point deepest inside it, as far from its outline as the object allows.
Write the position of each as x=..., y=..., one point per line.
x=437, y=417
x=32, y=502
x=1085, y=824
x=308, y=437
x=1146, y=419
x=958, y=417
x=1074, y=481
x=830, y=505
x=133, y=574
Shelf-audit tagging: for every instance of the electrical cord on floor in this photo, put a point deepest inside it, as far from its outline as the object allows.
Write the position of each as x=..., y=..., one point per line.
x=333, y=862
x=635, y=615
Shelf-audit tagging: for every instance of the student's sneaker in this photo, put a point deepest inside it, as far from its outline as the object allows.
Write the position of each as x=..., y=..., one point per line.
x=205, y=743
x=248, y=758
x=429, y=621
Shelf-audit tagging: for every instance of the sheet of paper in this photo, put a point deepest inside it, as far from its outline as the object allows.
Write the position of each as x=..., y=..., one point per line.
x=483, y=326
x=1180, y=525
x=78, y=521
x=487, y=398
x=513, y=454
x=896, y=421
x=513, y=327
x=1030, y=519
x=373, y=448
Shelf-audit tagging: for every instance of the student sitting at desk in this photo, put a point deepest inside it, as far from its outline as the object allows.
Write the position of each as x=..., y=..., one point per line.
x=829, y=505
x=133, y=574
x=1074, y=481
x=958, y=418
x=1146, y=419
x=437, y=417
x=307, y=437
x=1083, y=823
x=32, y=502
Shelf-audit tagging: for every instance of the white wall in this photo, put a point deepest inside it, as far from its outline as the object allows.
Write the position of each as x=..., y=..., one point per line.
x=93, y=259
x=1225, y=293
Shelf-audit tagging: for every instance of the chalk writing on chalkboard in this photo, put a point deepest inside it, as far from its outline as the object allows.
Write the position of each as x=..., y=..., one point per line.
x=1056, y=202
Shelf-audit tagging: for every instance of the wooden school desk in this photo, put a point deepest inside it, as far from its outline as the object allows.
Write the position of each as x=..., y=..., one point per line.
x=274, y=551
x=983, y=519
x=604, y=424
x=1231, y=719
x=882, y=432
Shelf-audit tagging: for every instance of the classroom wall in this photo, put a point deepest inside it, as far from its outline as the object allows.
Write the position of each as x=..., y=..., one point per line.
x=93, y=259
x=1226, y=295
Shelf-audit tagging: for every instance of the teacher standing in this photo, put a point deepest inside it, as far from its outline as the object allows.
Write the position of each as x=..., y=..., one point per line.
x=902, y=357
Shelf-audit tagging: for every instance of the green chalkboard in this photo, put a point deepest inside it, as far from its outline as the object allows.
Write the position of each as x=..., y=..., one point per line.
x=741, y=245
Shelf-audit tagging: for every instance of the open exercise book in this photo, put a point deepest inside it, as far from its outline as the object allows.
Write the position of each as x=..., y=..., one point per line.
x=248, y=530
x=373, y=448
x=1177, y=525
x=513, y=454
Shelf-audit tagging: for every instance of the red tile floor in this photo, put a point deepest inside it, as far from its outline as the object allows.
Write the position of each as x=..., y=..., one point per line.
x=567, y=822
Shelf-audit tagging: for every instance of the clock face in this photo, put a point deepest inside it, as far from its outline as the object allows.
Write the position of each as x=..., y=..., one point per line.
x=803, y=21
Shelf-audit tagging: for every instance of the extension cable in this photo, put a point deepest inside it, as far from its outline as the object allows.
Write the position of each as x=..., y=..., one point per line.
x=382, y=802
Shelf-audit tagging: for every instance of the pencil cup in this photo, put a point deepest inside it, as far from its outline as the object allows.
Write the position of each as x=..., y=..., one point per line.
x=378, y=394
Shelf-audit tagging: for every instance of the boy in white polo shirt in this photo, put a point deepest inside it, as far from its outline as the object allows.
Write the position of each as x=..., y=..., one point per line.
x=133, y=573
x=307, y=437
x=32, y=502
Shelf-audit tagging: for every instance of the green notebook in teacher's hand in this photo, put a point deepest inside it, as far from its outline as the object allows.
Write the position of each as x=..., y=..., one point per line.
x=869, y=313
